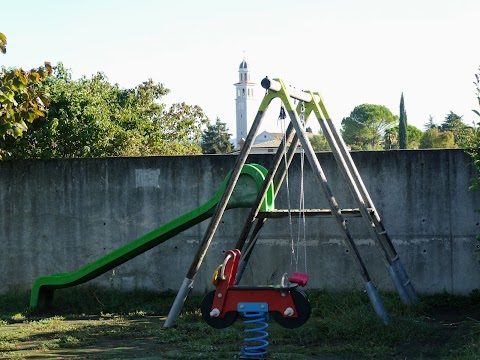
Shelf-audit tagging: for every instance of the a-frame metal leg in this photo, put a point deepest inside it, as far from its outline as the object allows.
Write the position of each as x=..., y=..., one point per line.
x=187, y=284
x=337, y=215
x=395, y=267
x=276, y=173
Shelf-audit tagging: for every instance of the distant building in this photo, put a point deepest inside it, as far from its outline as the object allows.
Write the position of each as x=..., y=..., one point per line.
x=244, y=102
x=268, y=142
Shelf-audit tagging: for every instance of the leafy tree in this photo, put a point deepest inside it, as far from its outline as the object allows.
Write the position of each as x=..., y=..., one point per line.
x=21, y=98
x=403, y=132
x=3, y=43
x=319, y=143
x=366, y=126
x=216, y=139
x=414, y=136
x=90, y=117
x=430, y=123
x=391, y=137
x=454, y=123
x=436, y=139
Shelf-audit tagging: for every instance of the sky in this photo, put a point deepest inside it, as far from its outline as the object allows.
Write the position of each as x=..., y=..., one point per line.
x=351, y=51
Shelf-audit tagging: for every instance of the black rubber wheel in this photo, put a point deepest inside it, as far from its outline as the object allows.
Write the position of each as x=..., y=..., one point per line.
x=215, y=322
x=300, y=299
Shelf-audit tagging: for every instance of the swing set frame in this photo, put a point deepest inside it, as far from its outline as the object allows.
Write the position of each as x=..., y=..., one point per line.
x=309, y=103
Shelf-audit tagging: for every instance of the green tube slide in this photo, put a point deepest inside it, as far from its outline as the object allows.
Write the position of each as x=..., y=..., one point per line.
x=244, y=195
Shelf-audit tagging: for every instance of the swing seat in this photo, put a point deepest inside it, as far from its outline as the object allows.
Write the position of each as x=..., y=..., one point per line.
x=299, y=278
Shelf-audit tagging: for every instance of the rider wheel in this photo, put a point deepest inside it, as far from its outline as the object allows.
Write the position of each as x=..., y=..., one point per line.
x=300, y=299
x=216, y=322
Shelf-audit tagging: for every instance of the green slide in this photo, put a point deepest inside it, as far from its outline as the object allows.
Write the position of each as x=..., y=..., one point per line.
x=243, y=196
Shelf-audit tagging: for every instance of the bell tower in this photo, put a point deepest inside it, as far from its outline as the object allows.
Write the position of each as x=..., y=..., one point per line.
x=243, y=101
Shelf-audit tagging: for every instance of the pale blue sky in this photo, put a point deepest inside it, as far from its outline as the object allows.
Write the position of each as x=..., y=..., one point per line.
x=352, y=51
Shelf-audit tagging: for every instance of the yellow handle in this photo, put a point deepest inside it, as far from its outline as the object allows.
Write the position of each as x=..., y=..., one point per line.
x=216, y=274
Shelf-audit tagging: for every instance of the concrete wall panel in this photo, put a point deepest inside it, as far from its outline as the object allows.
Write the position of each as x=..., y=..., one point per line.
x=59, y=215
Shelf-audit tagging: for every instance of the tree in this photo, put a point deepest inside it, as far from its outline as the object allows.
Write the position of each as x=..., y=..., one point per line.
x=319, y=143
x=403, y=132
x=436, y=139
x=90, y=117
x=454, y=123
x=366, y=126
x=21, y=99
x=391, y=137
x=430, y=123
x=3, y=43
x=414, y=135
x=216, y=139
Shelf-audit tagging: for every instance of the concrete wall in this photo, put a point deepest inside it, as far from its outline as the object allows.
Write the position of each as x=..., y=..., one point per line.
x=62, y=214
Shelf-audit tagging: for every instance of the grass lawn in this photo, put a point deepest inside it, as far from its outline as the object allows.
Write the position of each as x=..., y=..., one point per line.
x=93, y=323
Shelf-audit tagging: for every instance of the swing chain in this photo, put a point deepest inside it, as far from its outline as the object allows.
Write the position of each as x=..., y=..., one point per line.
x=295, y=248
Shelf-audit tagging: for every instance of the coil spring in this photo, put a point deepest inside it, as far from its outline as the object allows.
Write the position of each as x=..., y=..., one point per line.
x=261, y=344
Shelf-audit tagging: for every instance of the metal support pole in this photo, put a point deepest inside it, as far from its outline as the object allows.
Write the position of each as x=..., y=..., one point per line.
x=261, y=195
x=276, y=173
x=325, y=188
x=353, y=181
x=216, y=218
x=395, y=267
x=377, y=231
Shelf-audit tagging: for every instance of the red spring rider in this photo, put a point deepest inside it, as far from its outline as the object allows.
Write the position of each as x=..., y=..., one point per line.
x=285, y=303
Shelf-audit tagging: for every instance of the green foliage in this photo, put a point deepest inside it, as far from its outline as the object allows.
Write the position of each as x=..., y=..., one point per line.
x=391, y=137
x=472, y=144
x=3, y=43
x=414, y=135
x=454, y=123
x=365, y=127
x=21, y=98
x=216, y=139
x=319, y=143
x=90, y=117
x=477, y=84
x=403, y=132
x=436, y=139
x=452, y=133
x=430, y=123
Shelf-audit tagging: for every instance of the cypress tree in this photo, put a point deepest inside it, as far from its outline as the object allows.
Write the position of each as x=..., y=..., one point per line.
x=402, y=132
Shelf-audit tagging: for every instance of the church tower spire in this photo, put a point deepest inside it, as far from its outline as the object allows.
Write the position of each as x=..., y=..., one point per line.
x=243, y=101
